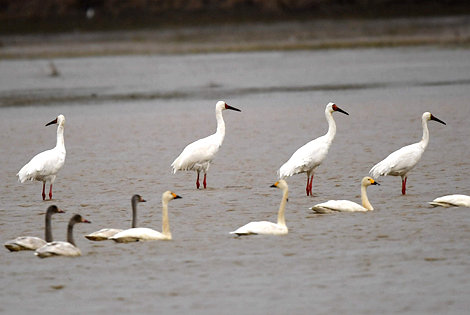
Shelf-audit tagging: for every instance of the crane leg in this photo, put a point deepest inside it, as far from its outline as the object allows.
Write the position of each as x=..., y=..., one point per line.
x=43, y=190
x=204, y=182
x=50, y=192
x=197, y=181
x=308, y=185
x=403, y=186
x=311, y=184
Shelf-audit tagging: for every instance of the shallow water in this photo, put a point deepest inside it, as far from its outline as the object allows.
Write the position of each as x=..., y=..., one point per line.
x=129, y=117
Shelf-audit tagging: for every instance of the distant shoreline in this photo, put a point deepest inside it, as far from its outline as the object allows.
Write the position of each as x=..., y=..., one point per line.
x=250, y=36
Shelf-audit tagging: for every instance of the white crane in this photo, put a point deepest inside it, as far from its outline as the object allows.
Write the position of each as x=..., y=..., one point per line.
x=400, y=162
x=266, y=227
x=346, y=205
x=308, y=157
x=198, y=155
x=45, y=165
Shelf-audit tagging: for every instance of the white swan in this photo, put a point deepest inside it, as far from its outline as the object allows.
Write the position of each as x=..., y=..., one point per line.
x=197, y=156
x=32, y=242
x=146, y=234
x=400, y=162
x=266, y=227
x=346, y=205
x=309, y=156
x=105, y=234
x=45, y=165
x=63, y=248
x=451, y=201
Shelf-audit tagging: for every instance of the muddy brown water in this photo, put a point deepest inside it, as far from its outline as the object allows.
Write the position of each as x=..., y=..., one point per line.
x=127, y=118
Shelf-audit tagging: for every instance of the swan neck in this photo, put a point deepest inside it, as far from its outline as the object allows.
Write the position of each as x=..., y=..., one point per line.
x=331, y=125
x=165, y=220
x=282, y=207
x=134, y=213
x=425, y=139
x=365, y=201
x=48, y=236
x=70, y=233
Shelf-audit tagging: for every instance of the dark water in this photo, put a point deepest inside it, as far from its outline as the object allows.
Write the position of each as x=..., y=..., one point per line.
x=129, y=117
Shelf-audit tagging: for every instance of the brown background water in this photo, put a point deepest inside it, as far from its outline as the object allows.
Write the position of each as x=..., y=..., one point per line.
x=129, y=117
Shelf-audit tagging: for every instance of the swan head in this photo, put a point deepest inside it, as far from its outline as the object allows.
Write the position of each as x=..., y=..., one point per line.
x=367, y=181
x=332, y=107
x=78, y=219
x=428, y=116
x=221, y=105
x=54, y=209
x=282, y=184
x=168, y=195
x=137, y=198
x=60, y=120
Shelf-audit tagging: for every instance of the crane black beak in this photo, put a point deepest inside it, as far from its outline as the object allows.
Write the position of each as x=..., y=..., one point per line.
x=437, y=119
x=52, y=122
x=227, y=106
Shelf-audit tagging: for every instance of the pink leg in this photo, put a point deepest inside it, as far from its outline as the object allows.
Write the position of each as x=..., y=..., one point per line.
x=204, y=182
x=43, y=191
x=308, y=185
x=311, y=185
x=50, y=192
x=197, y=181
x=403, y=186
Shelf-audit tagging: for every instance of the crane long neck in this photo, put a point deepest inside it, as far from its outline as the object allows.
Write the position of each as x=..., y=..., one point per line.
x=165, y=220
x=60, y=137
x=425, y=140
x=134, y=213
x=48, y=236
x=331, y=125
x=220, y=125
x=280, y=216
x=365, y=201
x=70, y=233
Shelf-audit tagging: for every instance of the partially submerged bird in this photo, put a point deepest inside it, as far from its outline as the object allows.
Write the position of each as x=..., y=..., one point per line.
x=308, y=157
x=346, y=205
x=105, y=234
x=45, y=165
x=146, y=234
x=63, y=248
x=266, y=227
x=451, y=201
x=197, y=156
x=400, y=162
x=32, y=242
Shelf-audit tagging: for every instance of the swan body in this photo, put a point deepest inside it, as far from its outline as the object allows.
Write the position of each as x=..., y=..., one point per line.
x=63, y=248
x=346, y=205
x=146, y=234
x=266, y=227
x=105, y=234
x=32, y=242
x=308, y=157
x=400, y=162
x=198, y=156
x=451, y=201
x=45, y=165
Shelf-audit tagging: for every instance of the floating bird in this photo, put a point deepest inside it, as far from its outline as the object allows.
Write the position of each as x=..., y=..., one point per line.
x=451, y=201
x=198, y=155
x=308, y=157
x=63, y=248
x=45, y=165
x=266, y=227
x=105, y=234
x=346, y=205
x=146, y=234
x=32, y=242
x=400, y=162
